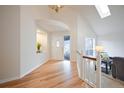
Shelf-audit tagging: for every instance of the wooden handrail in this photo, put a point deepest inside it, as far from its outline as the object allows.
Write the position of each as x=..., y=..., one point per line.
x=90, y=57
x=87, y=57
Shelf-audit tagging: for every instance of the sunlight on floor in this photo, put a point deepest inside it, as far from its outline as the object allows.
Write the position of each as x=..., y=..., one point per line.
x=67, y=66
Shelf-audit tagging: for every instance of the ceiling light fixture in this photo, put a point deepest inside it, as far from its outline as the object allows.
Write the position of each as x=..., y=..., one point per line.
x=56, y=8
x=103, y=10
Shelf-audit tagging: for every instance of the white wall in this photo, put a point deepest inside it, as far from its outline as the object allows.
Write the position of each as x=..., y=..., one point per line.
x=29, y=58
x=18, y=41
x=58, y=53
x=113, y=43
x=9, y=31
x=83, y=31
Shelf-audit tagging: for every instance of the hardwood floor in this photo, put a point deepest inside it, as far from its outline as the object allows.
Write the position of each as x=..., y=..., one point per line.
x=53, y=74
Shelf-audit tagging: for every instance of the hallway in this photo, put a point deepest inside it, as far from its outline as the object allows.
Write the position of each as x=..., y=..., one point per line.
x=53, y=74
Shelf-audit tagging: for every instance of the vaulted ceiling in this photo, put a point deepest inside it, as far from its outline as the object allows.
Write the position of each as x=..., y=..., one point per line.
x=52, y=25
x=111, y=24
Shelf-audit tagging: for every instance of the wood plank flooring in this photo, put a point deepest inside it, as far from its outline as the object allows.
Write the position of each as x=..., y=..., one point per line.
x=53, y=74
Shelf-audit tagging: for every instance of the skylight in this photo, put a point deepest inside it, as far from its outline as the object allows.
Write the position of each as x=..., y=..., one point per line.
x=103, y=10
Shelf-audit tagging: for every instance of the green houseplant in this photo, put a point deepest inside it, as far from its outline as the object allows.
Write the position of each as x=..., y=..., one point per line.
x=38, y=47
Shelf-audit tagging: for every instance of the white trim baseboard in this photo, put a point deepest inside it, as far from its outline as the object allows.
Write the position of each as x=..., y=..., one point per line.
x=21, y=76
x=8, y=79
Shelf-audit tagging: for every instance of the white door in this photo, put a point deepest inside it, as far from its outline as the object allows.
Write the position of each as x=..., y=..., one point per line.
x=57, y=47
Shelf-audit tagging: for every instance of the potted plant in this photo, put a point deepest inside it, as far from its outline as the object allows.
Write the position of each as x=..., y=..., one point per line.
x=38, y=47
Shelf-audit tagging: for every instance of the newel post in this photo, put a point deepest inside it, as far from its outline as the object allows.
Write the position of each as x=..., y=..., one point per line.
x=98, y=71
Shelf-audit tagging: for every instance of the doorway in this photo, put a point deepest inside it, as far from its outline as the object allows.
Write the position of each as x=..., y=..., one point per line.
x=67, y=47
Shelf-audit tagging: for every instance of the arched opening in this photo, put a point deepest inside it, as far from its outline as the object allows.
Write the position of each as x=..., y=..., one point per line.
x=57, y=46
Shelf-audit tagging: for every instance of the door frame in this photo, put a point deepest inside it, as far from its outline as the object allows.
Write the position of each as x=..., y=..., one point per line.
x=70, y=45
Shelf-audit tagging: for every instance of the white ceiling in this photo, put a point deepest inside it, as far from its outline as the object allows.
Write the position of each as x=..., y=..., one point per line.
x=111, y=24
x=52, y=25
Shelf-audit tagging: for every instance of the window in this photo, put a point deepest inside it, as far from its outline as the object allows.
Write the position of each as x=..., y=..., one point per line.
x=57, y=44
x=90, y=46
x=41, y=40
